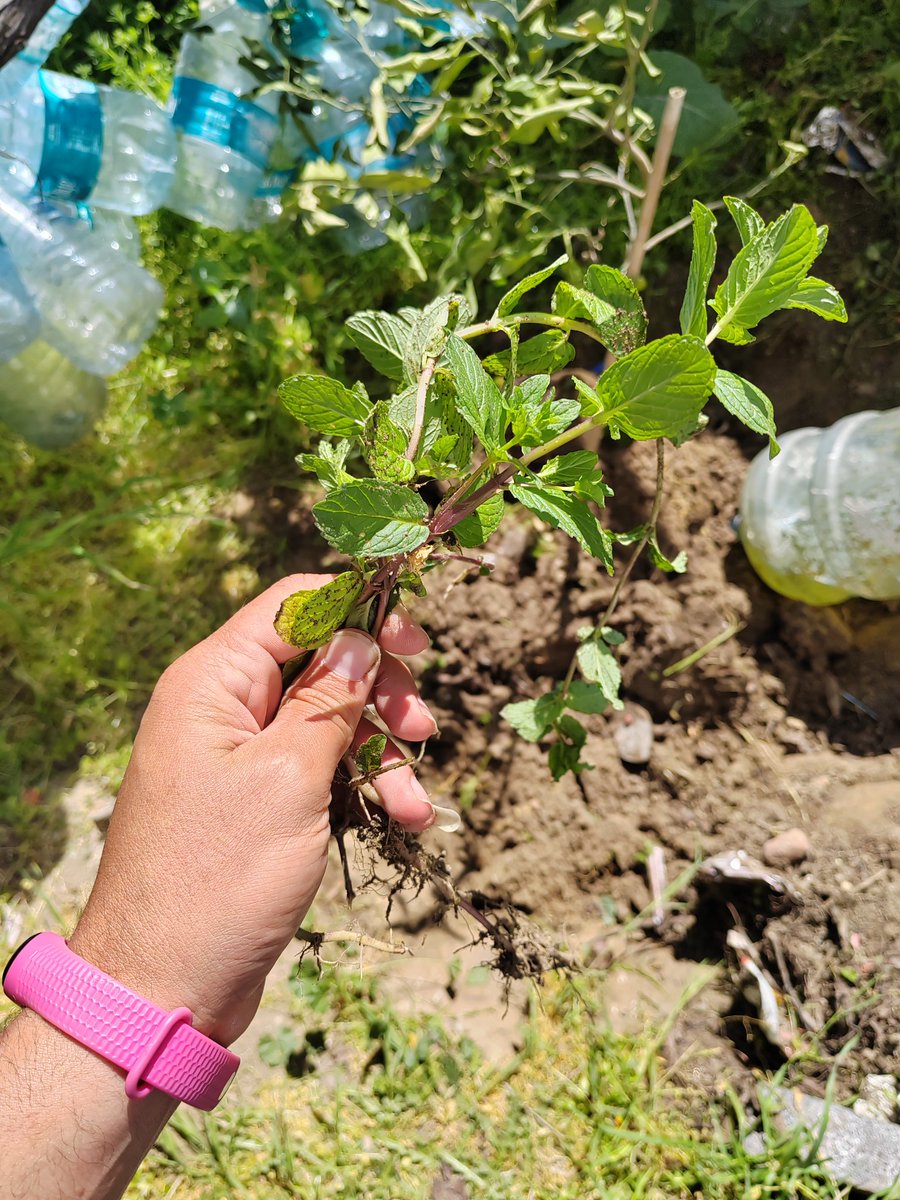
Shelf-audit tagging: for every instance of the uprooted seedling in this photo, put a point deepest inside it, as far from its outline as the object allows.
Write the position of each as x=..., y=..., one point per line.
x=480, y=427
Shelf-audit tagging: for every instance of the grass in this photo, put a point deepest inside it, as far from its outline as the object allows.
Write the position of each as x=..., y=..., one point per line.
x=390, y=1102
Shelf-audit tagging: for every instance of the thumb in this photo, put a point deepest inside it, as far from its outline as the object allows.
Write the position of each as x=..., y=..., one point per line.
x=321, y=709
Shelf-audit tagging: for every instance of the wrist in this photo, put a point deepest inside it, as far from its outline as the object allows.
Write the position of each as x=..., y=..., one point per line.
x=151, y=966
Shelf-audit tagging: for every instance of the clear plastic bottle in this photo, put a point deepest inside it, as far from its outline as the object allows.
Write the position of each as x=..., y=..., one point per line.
x=97, y=307
x=46, y=399
x=290, y=148
x=337, y=60
x=19, y=319
x=821, y=521
x=71, y=140
x=224, y=140
x=47, y=33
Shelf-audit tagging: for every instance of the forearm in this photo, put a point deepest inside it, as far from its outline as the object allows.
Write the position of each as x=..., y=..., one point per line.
x=67, y=1129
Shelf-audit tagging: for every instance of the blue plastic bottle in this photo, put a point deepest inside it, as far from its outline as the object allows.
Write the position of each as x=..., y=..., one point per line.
x=46, y=399
x=19, y=320
x=224, y=140
x=72, y=140
x=97, y=307
x=46, y=35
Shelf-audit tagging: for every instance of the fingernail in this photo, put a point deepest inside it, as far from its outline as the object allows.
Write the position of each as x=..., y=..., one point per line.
x=426, y=712
x=420, y=794
x=351, y=654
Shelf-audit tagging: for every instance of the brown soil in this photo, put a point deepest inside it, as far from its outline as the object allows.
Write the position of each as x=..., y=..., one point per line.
x=791, y=722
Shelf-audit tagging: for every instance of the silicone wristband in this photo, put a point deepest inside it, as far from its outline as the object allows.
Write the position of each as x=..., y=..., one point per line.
x=157, y=1050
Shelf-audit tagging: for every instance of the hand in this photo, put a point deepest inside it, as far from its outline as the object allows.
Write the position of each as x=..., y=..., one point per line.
x=219, y=837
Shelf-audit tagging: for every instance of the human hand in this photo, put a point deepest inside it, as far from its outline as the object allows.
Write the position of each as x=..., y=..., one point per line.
x=219, y=837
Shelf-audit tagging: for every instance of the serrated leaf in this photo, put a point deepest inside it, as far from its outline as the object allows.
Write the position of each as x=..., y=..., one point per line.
x=428, y=335
x=678, y=564
x=579, y=304
x=735, y=335
x=308, y=619
x=369, y=755
x=476, y=528
x=748, y=221
x=569, y=513
x=509, y=301
x=478, y=399
x=599, y=665
x=532, y=719
x=566, y=469
x=703, y=258
x=327, y=463
x=565, y=753
x=381, y=337
x=658, y=390
x=612, y=637
x=540, y=355
x=751, y=406
x=819, y=297
x=767, y=271
x=370, y=518
x=586, y=697
x=385, y=451
x=626, y=329
x=706, y=116
x=536, y=419
x=325, y=404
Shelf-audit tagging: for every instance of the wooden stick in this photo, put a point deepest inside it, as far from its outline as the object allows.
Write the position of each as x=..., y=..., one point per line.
x=659, y=166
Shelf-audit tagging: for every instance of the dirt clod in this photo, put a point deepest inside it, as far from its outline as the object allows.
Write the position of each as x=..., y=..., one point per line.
x=787, y=849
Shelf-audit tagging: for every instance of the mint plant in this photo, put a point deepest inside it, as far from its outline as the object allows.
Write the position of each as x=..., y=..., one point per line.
x=483, y=426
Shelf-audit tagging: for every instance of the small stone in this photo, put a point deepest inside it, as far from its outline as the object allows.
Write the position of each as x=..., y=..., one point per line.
x=877, y=1098
x=786, y=849
x=633, y=735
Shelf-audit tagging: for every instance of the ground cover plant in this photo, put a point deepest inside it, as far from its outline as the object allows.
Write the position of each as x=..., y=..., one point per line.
x=460, y=429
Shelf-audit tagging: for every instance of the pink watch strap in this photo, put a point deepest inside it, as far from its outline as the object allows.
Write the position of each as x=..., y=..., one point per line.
x=157, y=1050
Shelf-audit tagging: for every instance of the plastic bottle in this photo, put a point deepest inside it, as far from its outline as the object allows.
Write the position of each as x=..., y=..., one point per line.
x=72, y=140
x=46, y=35
x=47, y=399
x=821, y=522
x=97, y=307
x=290, y=148
x=19, y=320
x=224, y=141
x=336, y=58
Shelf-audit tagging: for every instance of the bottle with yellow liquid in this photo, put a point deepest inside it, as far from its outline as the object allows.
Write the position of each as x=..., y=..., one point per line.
x=821, y=521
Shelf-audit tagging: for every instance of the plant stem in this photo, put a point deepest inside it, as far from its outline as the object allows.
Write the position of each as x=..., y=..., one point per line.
x=419, y=418
x=496, y=325
x=714, y=332
x=635, y=555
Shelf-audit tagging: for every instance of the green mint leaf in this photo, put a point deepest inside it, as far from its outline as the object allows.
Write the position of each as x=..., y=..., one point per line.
x=599, y=665
x=478, y=399
x=593, y=488
x=767, y=271
x=565, y=753
x=369, y=755
x=532, y=719
x=735, y=335
x=386, y=447
x=325, y=404
x=751, y=406
x=514, y=295
x=748, y=221
x=430, y=328
x=580, y=304
x=327, y=463
x=819, y=297
x=567, y=469
x=476, y=528
x=381, y=337
x=703, y=259
x=536, y=419
x=656, y=391
x=821, y=238
x=586, y=697
x=626, y=329
x=569, y=513
x=371, y=518
x=678, y=564
x=309, y=619
x=612, y=637
x=540, y=355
